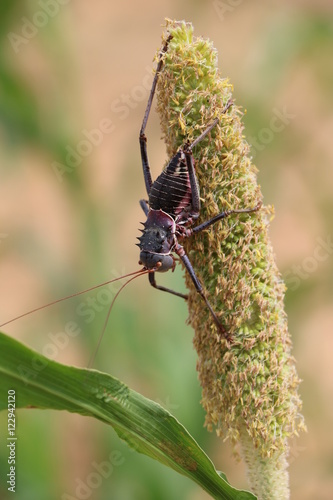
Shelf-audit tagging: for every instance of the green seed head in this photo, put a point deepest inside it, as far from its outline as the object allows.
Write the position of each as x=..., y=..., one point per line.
x=249, y=385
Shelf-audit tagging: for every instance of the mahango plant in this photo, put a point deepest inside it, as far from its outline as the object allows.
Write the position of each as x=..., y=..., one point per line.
x=249, y=384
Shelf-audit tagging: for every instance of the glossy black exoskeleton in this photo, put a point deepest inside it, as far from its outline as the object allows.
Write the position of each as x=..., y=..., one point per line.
x=172, y=207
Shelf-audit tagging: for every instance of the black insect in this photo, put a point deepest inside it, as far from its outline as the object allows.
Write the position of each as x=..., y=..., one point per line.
x=172, y=207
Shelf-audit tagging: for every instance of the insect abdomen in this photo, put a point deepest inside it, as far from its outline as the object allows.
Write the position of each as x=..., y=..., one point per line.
x=171, y=190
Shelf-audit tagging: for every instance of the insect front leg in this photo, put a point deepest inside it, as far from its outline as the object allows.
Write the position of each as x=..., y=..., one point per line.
x=144, y=206
x=221, y=216
x=153, y=283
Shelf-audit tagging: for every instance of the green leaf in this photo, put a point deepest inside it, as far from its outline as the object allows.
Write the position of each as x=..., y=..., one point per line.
x=41, y=383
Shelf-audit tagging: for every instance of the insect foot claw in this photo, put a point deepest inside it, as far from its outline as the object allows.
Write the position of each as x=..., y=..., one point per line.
x=224, y=333
x=229, y=338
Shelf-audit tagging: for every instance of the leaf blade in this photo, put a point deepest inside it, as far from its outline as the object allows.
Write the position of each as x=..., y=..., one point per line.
x=143, y=424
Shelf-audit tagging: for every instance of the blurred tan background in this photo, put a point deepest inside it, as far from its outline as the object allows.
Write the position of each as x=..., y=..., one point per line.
x=69, y=218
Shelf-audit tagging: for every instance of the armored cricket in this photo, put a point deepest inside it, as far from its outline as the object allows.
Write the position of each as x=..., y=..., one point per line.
x=172, y=207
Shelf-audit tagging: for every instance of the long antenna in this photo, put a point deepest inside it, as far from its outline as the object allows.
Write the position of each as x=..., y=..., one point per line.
x=143, y=271
x=92, y=359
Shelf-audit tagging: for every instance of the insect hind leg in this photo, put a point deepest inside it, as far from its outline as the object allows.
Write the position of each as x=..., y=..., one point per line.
x=142, y=136
x=187, y=149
